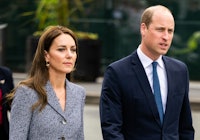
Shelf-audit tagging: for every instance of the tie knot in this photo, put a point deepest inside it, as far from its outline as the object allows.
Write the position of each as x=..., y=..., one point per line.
x=154, y=64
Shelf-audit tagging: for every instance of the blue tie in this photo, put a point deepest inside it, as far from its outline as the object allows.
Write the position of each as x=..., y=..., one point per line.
x=157, y=94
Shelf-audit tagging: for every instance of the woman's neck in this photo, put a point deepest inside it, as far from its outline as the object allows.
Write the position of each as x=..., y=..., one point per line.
x=57, y=81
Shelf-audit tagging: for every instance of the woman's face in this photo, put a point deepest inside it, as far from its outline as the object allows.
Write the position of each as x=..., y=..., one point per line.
x=62, y=54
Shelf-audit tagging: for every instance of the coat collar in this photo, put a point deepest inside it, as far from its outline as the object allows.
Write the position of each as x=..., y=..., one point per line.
x=54, y=102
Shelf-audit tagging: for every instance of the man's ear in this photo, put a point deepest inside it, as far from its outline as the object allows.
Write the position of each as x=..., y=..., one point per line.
x=143, y=28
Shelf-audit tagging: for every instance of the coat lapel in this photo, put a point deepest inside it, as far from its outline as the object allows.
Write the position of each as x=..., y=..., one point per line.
x=53, y=100
x=2, y=82
x=145, y=86
x=70, y=102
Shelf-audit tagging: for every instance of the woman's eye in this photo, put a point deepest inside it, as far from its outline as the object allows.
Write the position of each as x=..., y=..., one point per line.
x=61, y=49
x=73, y=50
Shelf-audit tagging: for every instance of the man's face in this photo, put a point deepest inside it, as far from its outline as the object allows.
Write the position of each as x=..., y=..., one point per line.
x=158, y=36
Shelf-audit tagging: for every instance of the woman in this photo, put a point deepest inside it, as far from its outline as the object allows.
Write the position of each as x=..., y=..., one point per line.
x=47, y=106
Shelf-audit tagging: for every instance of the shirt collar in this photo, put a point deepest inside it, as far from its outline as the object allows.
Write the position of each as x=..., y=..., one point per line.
x=146, y=61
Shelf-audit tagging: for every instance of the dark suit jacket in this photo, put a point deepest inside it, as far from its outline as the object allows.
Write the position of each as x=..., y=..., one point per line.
x=127, y=107
x=6, y=87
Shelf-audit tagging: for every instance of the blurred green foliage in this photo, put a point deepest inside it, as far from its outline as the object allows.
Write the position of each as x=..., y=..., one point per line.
x=108, y=19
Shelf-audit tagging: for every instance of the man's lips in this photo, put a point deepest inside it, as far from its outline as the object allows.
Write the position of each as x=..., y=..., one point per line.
x=163, y=45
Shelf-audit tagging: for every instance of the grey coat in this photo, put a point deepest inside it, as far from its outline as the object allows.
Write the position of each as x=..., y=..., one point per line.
x=51, y=123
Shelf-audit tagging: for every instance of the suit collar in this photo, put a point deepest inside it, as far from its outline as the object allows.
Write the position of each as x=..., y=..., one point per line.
x=171, y=86
x=170, y=82
x=146, y=61
x=144, y=83
x=170, y=75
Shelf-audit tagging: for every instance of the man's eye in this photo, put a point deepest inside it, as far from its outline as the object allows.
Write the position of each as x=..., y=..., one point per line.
x=160, y=29
x=170, y=31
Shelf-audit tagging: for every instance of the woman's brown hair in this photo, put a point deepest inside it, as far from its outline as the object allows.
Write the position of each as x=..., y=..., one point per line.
x=39, y=75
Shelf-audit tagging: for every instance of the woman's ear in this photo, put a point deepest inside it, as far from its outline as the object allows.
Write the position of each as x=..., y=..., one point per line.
x=46, y=55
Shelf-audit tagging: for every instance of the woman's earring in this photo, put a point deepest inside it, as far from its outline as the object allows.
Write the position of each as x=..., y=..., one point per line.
x=47, y=64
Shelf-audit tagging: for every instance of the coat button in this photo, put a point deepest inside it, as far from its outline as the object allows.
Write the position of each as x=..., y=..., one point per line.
x=64, y=122
x=62, y=138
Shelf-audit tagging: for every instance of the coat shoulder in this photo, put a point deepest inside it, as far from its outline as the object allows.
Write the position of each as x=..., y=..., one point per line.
x=76, y=88
x=5, y=71
x=174, y=62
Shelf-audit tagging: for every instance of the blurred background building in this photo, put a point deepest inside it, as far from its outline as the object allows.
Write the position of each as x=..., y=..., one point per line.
x=114, y=24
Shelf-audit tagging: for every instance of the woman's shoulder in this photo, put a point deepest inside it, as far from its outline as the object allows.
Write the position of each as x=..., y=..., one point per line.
x=24, y=91
x=22, y=87
x=75, y=86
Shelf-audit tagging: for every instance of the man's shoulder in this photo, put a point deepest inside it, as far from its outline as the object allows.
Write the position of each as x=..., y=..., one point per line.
x=123, y=61
x=173, y=61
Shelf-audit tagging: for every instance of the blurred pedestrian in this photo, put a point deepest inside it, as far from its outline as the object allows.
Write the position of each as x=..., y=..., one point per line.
x=139, y=103
x=6, y=85
x=47, y=106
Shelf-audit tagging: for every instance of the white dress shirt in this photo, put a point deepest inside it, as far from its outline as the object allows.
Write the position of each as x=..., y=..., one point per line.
x=147, y=64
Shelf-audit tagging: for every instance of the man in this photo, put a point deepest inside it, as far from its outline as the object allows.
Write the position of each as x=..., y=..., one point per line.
x=128, y=105
x=6, y=85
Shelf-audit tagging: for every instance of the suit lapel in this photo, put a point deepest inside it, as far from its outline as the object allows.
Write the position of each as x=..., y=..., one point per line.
x=170, y=76
x=145, y=86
